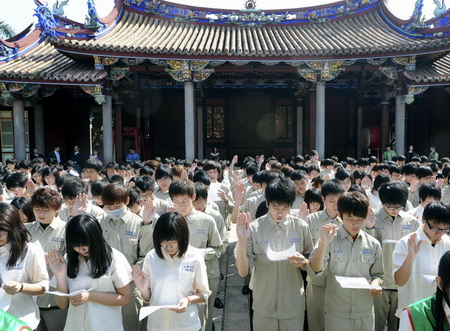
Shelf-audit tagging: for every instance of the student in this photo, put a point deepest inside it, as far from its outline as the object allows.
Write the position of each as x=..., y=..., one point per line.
x=431, y=313
x=76, y=203
x=51, y=176
x=174, y=273
x=374, y=199
x=389, y=224
x=22, y=266
x=112, y=168
x=92, y=169
x=11, y=164
x=347, y=251
x=125, y=232
x=327, y=173
x=91, y=264
x=147, y=185
x=300, y=179
x=97, y=188
x=275, y=306
x=36, y=176
x=409, y=173
x=23, y=205
x=314, y=201
x=395, y=173
x=203, y=235
x=345, y=178
x=163, y=176
x=315, y=291
x=427, y=193
x=424, y=175
x=49, y=232
x=446, y=184
x=25, y=167
x=416, y=255
x=135, y=201
x=16, y=185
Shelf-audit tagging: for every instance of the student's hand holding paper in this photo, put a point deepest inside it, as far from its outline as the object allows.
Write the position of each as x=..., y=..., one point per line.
x=327, y=233
x=181, y=307
x=376, y=291
x=298, y=261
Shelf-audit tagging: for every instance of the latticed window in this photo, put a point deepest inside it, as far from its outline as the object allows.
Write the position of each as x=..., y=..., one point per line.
x=215, y=121
x=283, y=122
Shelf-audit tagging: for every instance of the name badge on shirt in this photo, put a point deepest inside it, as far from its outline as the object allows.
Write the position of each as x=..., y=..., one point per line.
x=261, y=242
x=407, y=227
x=57, y=240
x=379, y=228
x=200, y=231
x=15, y=267
x=294, y=240
x=367, y=251
x=338, y=251
x=130, y=233
x=189, y=268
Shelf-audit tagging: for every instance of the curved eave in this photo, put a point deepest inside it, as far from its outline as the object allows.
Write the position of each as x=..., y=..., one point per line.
x=431, y=74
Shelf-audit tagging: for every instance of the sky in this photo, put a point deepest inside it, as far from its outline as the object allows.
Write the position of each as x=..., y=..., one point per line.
x=19, y=13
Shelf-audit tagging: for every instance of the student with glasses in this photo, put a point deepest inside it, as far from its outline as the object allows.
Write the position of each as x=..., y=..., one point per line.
x=416, y=256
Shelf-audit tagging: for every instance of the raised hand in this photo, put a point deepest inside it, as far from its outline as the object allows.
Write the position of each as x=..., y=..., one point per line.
x=370, y=220
x=234, y=160
x=366, y=183
x=413, y=184
x=31, y=187
x=141, y=279
x=413, y=246
x=243, y=226
x=80, y=205
x=149, y=211
x=327, y=233
x=222, y=195
x=184, y=174
x=303, y=211
x=239, y=193
x=56, y=263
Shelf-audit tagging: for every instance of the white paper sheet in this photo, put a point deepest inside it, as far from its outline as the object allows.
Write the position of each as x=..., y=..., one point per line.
x=294, y=212
x=390, y=241
x=355, y=283
x=61, y=294
x=213, y=192
x=145, y=311
x=5, y=300
x=280, y=256
x=429, y=278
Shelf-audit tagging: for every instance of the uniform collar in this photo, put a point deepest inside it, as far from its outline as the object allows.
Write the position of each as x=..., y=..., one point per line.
x=274, y=223
x=343, y=234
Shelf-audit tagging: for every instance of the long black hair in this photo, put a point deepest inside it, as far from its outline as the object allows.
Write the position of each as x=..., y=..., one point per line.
x=84, y=230
x=441, y=293
x=17, y=233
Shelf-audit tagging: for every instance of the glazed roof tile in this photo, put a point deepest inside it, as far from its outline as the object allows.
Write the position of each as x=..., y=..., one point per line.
x=437, y=72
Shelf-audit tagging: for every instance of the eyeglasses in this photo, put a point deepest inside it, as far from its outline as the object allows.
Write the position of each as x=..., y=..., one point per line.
x=394, y=208
x=3, y=233
x=434, y=229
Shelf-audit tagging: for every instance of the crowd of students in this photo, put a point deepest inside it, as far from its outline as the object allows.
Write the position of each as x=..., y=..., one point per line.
x=118, y=237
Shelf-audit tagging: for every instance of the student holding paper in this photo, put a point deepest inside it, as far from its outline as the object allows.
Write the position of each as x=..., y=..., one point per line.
x=174, y=274
x=389, y=225
x=347, y=251
x=278, y=291
x=416, y=255
x=91, y=265
x=22, y=268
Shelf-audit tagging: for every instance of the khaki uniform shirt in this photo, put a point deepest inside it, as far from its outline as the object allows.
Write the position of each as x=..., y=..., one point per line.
x=203, y=234
x=277, y=286
x=413, y=197
x=298, y=201
x=345, y=257
x=446, y=194
x=163, y=196
x=388, y=231
x=220, y=223
x=251, y=204
x=160, y=205
x=126, y=235
x=91, y=209
x=53, y=237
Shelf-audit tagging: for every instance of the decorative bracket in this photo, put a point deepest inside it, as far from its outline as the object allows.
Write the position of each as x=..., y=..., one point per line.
x=321, y=71
x=408, y=61
x=414, y=90
x=187, y=71
x=95, y=91
x=100, y=62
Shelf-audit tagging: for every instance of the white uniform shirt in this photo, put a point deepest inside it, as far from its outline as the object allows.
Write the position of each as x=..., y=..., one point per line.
x=417, y=212
x=172, y=279
x=92, y=315
x=425, y=263
x=31, y=269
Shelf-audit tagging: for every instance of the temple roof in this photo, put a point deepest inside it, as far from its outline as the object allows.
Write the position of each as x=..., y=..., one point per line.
x=44, y=63
x=435, y=73
x=364, y=34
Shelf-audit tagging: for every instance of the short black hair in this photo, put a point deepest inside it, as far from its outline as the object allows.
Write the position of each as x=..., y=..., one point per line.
x=11, y=161
x=409, y=169
x=267, y=176
x=261, y=210
x=332, y=187
x=112, y=164
x=146, y=184
x=438, y=212
x=380, y=180
x=342, y=175
x=201, y=191
x=201, y=177
x=50, y=171
x=135, y=195
x=354, y=204
x=446, y=171
x=251, y=169
x=357, y=188
x=146, y=171
x=16, y=179
x=393, y=192
x=394, y=169
x=171, y=226
x=299, y=175
x=24, y=164
x=423, y=172
x=280, y=191
x=362, y=162
x=73, y=187
x=181, y=187
x=163, y=171
x=95, y=164
x=116, y=179
x=429, y=190
x=97, y=187
x=313, y=195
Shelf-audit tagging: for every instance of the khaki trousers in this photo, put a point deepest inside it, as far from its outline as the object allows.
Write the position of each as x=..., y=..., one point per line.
x=315, y=302
x=385, y=306
x=262, y=323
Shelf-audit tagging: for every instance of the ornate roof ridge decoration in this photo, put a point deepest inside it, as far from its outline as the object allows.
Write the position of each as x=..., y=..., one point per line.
x=323, y=71
x=251, y=17
x=46, y=20
x=441, y=17
x=188, y=71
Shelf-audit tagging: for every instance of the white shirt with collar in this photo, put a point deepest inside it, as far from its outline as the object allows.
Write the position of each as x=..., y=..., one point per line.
x=417, y=212
x=425, y=263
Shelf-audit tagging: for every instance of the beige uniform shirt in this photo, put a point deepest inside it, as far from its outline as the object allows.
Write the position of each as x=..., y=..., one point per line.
x=97, y=212
x=225, y=208
x=160, y=205
x=345, y=257
x=251, y=204
x=446, y=194
x=298, y=201
x=220, y=223
x=277, y=286
x=53, y=237
x=163, y=196
x=388, y=232
x=413, y=197
x=203, y=234
x=126, y=235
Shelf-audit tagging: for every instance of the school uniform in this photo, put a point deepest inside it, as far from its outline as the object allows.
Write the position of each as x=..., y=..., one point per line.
x=425, y=263
x=225, y=208
x=315, y=291
x=251, y=204
x=160, y=205
x=128, y=236
x=92, y=315
x=91, y=209
x=163, y=195
x=413, y=197
x=417, y=212
x=52, y=238
x=172, y=279
x=29, y=269
x=374, y=199
x=350, y=309
x=278, y=291
x=298, y=201
x=203, y=234
x=446, y=194
x=388, y=231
